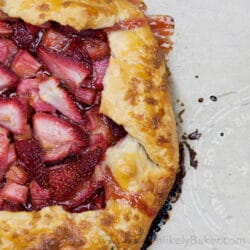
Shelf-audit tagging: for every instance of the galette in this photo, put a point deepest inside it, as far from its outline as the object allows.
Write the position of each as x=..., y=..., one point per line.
x=88, y=144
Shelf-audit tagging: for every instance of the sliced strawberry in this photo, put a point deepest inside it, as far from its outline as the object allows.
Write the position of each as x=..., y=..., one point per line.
x=29, y=88
x=96, y=125
x=117, y=131
x=4, y=149
x=5, y=29
x=7, y=51
x=85, y=95
x=63, y=179
x=57, y=136
x=71, y=71
x=30, y=154
x=16, y=174
x=7, y=78
x=85, y=194
x=27, y=134
x=11, y=154
x=25, y=65
x=40, y=197
x=54, y=40
x=50, y=92
x=99, y=70
x=38, y=104
x=12, y=116
x=96, y=48
x=14, y=192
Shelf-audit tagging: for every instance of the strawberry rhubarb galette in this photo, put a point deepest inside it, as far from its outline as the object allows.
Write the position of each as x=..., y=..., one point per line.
x=88, y=148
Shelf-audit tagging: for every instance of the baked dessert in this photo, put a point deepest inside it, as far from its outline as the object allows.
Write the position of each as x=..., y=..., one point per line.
x=88, y=146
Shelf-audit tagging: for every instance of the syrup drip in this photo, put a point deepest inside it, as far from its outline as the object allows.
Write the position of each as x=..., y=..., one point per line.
x=163, y=28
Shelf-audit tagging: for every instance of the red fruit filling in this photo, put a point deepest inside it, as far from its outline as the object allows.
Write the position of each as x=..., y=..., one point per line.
x=52, y=135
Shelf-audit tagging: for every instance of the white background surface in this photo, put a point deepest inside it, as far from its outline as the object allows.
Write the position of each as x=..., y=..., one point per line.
x=212, y=40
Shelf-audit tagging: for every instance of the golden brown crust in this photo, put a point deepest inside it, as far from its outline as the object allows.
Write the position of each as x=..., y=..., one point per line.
x=145, y=162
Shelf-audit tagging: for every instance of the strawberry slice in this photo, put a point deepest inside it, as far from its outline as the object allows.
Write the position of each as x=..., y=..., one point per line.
x=29, y=88
x=54, y=40
x=7, y=78
x=7, y=51
x=5, y=29
x=27, y=134
x=63, y=179
x=57, y=136
x=30, y=154
x=71, y=71
x=96, y=125
x=85, y=195
x=40, y=197
x=24, y=64
x=14, y=192
x=16, y=174
x=50, y=92
x=11, y=154
x=99, y=70
x=4, y=149
x=85, y=95
x=12, y=116
x=96, y=48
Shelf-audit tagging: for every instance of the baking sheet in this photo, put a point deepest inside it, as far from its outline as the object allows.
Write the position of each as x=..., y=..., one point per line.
x=211, y=57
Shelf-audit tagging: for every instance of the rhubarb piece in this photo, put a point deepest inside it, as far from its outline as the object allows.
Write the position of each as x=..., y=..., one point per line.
x=54, y=40
x=71, y=71
x=85, y=95
x=25, y=65
x=97, y=49
x=50, y=92
x=5, y=29
x=14, y=192
x=40, y=197
x=16, y=174
x=63, y=179
x=77, y=50
x=99, y=70
x=7, y=78
x=30, y=154
x=7, y=51
x=4, y=150
x=57, y=136
x=25, y=85
x=12, y=116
